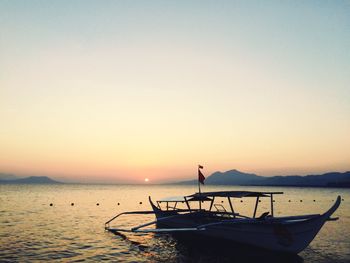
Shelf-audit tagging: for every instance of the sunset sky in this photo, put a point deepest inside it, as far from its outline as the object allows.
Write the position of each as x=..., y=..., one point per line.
x=127, y=90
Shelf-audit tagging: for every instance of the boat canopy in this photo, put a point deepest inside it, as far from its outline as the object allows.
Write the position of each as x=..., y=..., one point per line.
x=207, y=196
x=235, y=194
x=173, y=199
x=185, y=198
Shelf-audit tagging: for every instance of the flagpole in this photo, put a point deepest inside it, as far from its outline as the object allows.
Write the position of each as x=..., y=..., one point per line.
x=199, y=189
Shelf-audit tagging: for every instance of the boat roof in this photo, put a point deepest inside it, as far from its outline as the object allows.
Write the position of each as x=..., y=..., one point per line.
x=235, y=194
x=185, y=198
x=207, y=196
x=173, y=199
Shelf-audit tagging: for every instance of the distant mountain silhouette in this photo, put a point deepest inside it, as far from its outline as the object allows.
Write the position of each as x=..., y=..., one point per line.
x=234, y=177
x=5, y=176
x=30, y=180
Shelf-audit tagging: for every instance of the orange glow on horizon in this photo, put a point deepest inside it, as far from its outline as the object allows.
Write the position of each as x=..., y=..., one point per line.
x=144, y=96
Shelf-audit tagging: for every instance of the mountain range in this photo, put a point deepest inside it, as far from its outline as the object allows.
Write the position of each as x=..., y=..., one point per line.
x=12, y=179
x=231, y=177
x=235, y=177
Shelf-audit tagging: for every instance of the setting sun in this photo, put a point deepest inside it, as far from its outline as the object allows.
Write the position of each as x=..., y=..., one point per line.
x=146, y=180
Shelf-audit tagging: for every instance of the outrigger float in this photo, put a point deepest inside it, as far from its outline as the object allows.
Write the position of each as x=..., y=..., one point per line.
x=290, y=234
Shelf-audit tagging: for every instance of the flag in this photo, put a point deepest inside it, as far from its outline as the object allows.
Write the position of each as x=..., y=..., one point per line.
x=200, y=166
x=201, y=177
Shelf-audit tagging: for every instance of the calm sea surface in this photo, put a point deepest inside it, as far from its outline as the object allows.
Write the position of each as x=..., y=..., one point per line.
x=32, y=230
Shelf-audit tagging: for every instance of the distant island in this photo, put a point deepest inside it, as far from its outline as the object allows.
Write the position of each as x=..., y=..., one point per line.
x=235, y=177
x=12, y=179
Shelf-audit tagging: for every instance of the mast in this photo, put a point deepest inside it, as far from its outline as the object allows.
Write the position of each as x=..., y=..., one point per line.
x=199, y=184
x=201, y=179
x=199, y=190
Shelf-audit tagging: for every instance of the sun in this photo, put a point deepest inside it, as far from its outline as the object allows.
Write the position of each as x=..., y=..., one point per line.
x=146, y=180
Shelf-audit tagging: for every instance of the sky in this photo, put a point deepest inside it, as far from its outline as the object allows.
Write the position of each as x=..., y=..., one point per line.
x=120, y=91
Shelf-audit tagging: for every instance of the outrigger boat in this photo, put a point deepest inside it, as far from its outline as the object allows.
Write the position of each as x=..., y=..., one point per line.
x=290, y=234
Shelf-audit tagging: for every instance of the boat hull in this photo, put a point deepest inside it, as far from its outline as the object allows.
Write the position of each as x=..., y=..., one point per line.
x=276, y=234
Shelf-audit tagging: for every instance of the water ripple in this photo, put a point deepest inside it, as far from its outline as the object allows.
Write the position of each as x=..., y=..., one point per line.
x=31, y=230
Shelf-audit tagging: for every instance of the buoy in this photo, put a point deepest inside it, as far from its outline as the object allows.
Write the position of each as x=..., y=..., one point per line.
x=140, y=203
x=72, y=204
x=97, y=204
x=51, y=204
x=118, y=203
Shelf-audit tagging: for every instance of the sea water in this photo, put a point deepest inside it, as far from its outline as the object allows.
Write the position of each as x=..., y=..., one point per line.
x=65, y=222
